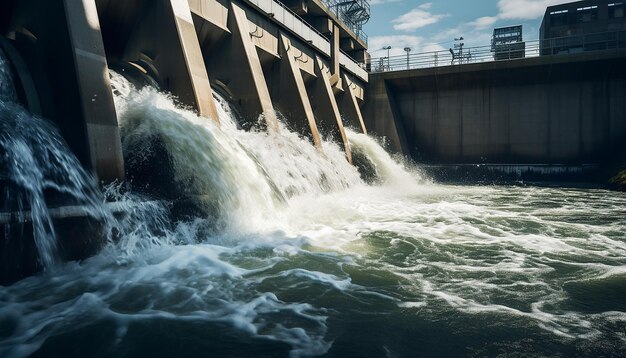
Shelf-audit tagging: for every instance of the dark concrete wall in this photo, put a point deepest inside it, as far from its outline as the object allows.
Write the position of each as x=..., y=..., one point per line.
x=547, y=110
x=61, y=52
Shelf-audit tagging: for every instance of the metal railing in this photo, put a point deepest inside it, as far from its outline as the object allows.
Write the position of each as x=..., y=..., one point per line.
x=554, y=46
x=336, y=7
x=358, y=68
x=284, y=15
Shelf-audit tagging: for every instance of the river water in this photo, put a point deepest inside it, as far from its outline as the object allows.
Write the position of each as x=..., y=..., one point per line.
x=303, y=258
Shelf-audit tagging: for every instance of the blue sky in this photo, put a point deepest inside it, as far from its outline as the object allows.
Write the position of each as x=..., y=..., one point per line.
x=431, y=25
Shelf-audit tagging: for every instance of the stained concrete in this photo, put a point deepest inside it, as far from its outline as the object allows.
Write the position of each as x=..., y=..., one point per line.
x=63, y=52
x=291, y=95
x=350, y=106
x=327, y=110
x=545, y=110
x=160, y=37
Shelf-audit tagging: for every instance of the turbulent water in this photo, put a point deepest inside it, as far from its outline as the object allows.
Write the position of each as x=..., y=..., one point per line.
x=306, y=259
x=36, y=169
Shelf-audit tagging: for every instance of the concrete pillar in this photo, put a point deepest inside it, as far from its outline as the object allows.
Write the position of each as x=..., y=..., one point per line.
x=159, y=35
x=197, y=73
x=382, y=117
x=61, y=45
x=94, y=90
x=246, y=78
x=335, y=51
x=291, y=94
x=327, y=109
x=350, y=105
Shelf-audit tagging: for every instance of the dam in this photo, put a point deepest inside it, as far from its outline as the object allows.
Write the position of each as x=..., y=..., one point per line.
x=559, y=113
x=260, y=56
x=281, y=62
x=236, y=178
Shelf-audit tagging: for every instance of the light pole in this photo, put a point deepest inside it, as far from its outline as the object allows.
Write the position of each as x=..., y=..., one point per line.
x=459, y=46
x=387, y=48
x=408, y=50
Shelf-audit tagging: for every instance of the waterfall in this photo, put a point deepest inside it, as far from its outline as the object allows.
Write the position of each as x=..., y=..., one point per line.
x=386, y=170
x=38, y=170
x=243, y=176
x=241, y=179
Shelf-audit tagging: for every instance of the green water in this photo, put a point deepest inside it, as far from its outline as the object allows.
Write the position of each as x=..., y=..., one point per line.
x=368, y=272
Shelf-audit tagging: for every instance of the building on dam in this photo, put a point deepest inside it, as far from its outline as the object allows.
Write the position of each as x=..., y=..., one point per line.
x=580, y=26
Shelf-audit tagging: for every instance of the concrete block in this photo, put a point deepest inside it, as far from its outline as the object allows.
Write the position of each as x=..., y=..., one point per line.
x=159, y=35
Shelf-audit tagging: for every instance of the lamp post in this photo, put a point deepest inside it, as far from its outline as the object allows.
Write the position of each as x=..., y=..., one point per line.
x=387, y=48
x=408, y=50
x=459, y=46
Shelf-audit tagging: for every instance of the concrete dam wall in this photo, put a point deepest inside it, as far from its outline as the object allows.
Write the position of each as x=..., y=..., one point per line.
x=259, y=53
x=284, y=67
x=552, y=110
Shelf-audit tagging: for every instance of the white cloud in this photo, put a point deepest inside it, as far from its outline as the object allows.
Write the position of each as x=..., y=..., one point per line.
x=379, y=2
x=483, y=22
x=515, y=10
x=524, y=9
x=426, y=6
x=416, y=18
x=472, y=36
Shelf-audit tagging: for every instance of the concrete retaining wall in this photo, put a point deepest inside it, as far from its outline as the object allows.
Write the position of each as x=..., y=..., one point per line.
x=545, y=110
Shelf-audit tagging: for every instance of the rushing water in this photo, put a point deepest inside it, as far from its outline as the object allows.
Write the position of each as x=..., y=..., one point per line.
x=37, y=169
x=306, y=259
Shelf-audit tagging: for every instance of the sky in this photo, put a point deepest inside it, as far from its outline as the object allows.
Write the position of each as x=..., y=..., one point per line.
x=432, y=25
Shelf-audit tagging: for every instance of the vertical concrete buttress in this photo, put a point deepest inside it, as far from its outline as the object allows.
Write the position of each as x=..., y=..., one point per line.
x=62, y=49
x=293, y=99
x=160, y=37
x=94, y=89
x=351, y=108
x=199, y=78
x=249, y=81
x=327, y=108
x=335, y=52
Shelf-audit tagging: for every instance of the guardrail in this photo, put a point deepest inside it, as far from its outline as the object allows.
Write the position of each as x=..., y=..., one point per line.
x=336, y=6
x=285, y=16
x=351, y=65
x=513, y=51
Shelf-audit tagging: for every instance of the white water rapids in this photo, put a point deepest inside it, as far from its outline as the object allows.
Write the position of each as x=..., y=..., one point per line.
x=306, y=259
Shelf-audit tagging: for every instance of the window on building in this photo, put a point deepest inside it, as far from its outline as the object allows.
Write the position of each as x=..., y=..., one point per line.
x=558, y=18
x=587, y=14
x=616, y=10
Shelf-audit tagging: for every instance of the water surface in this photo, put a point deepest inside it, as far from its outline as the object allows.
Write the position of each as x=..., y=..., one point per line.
x=301, y=257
